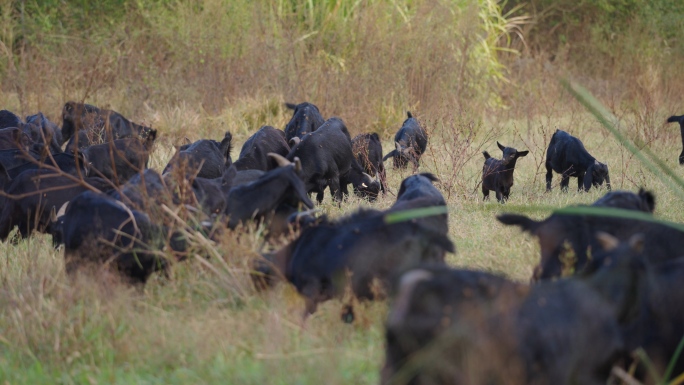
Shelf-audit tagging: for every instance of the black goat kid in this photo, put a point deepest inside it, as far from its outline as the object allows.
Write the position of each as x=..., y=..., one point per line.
x=497, y=174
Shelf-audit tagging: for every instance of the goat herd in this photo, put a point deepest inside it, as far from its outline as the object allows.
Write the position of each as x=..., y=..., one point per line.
x=619, y=293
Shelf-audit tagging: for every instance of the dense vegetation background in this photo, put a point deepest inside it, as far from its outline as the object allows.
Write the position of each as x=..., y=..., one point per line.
x=473, y=71
x=367, y=60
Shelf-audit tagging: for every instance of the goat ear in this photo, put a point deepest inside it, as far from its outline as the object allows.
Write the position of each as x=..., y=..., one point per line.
x=589, y=177
x=300, y=190
x=607, y=241
x=501, y=146
x=636, y=242
x=520, y=154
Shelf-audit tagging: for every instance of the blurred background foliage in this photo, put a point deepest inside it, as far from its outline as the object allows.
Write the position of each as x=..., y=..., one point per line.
x=367, y=59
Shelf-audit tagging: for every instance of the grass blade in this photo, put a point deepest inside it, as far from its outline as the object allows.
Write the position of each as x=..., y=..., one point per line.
x=655, y=165
x=407, y=215
x=673, y=362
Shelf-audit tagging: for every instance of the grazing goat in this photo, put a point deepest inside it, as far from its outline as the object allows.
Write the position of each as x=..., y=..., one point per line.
x=328, y=162
x=497, y=175
x=410, y=143
x=567, y=156
x=368, y=152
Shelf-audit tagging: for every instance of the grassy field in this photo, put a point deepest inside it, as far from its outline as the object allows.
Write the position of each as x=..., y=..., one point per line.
x=196, y=69
x=209, y=326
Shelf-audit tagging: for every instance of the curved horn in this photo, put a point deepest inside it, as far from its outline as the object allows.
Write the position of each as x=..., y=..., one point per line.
x=191, y=209
x=307, y=212
x=62, y=210
x=406, y=285
x=282, y=162
x=84, y=164
x=298, y=164
x=294, y=141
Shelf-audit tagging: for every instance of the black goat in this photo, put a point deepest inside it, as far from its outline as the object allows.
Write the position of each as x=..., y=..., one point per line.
x=328, y=161
x=497, y=175
x=459, y=326
x=362, y=243
x=368, y=152
x=78, y=117
x=207, y=158
x=100, y=230
x=120, y=159
x=410, y=143
x=34, y=195
x=567, y=240
x=264, y=196
x=642, y=201
x=51, y=133
x=567, y=156
x=305, y=119
x=254, y=153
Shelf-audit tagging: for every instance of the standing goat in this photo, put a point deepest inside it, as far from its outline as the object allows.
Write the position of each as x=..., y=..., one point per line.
x=497, y=175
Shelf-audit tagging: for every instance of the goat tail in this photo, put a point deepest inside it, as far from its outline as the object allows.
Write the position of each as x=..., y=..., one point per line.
x=409, y=114
x=389, y=155
x=525, y=223
x=675, y=118
x=486, y=155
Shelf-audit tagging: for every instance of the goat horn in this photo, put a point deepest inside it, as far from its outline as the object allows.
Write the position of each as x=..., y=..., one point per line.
x=62, y=210
x=282, y=162
x=298, y=164
x=294, y=141
x=407, y=283
x=191, y=209
x=307, y=212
